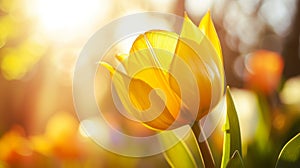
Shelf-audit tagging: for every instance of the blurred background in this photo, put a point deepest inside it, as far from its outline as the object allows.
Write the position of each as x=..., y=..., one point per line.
x=40, y=41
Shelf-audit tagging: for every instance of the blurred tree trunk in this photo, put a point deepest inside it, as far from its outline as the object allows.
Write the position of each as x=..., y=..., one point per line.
x=291, y=49
x=179, y=8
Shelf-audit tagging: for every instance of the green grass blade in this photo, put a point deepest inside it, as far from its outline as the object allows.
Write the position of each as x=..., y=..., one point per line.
x=232, y=136
x=290, y=153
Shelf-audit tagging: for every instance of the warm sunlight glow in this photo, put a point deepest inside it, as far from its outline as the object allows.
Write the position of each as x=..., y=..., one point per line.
x=67, y=16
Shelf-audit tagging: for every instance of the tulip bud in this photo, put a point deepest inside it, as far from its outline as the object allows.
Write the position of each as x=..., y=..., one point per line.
x=170, y=79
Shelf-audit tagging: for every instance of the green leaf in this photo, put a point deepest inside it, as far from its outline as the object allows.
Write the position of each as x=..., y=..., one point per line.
x=264, y=125
x=232, y=136
x=185, y=152
x=290, y=153
x=236, y=161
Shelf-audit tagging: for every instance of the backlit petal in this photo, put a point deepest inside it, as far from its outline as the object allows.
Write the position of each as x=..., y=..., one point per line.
x=191, y=59
x=206, y=30
x=155, y=78
x=149, y=59
x=206, y=42
x=122, y=58
x=141, y=101
x=152, y=49
x=190, y=31
x=207, y=27
x=164, y=45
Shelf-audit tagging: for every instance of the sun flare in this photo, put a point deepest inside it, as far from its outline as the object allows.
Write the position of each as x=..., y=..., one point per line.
x=67, y=17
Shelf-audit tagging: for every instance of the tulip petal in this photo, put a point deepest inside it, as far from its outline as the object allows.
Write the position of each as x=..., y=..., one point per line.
x=190, y=31
x=206, y=31
x=205, y=41
x=207, y=27
x=140, y=57
x=160, y=118
x=152, y=49
x=154, y=78
x=111, y=69
x=158, y=79
x=197, y=72
x=164, y=45
x=141, y=101
x=149, y=59
x=122, y=57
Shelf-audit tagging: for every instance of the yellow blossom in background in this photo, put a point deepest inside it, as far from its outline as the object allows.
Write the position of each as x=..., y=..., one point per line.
x=17, y=62
x=20, y=45
x=170, y=80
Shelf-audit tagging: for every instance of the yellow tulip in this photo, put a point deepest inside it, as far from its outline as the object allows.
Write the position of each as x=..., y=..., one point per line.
x=171, y=80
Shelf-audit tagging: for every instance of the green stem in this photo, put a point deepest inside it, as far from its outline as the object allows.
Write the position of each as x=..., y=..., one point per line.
x=204, y=146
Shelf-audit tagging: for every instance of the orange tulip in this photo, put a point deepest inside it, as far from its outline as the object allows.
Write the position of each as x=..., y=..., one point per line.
x=15, y=148
x=171, y=80
x=264, y=71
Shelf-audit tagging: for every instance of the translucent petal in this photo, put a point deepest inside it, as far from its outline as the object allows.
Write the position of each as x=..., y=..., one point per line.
x=155, y=78
x=207, y=27
x=149, y=58
x=152, y=49
x=140, y=95
x=198, y=72
x=164, y=45
x=190, y=31
x=204, y=42
x=140, y=57
x=142, y=101
x=122, y=58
